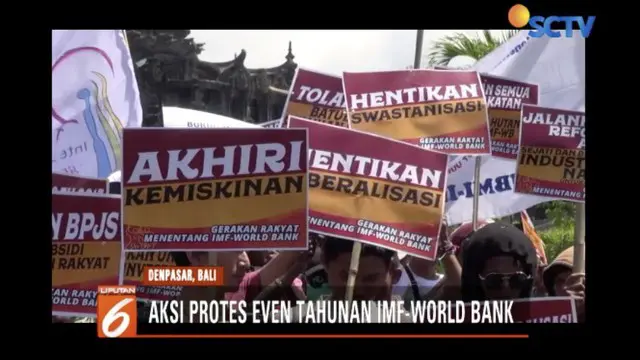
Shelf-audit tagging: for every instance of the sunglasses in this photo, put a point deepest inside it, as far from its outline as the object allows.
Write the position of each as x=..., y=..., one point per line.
x=515, y=280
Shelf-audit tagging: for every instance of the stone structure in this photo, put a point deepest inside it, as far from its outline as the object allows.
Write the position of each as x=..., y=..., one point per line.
x=169, y=73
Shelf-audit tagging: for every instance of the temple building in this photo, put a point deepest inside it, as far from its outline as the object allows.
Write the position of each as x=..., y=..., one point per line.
x=169, y=73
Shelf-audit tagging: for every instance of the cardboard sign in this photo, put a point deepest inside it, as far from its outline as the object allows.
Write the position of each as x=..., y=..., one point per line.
x=552, y=157
x=214, y=189
x=504, y=103
x=375, y=190
x=133, y=267
x=442, y=110
x=561, y=309
x=86, y=250
x=545, y=310
x=135, y=262
x=318, y=97
x=73, y=184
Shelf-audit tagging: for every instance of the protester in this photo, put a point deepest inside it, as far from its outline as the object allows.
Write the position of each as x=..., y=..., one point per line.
x=463, y=232
x=254, y=282
x=575, y=286
x=449, y=287
x=419, y=276
x=555, y=275
x=498, y=263
x=539, y=289
x=260, y=258
x=289, y=287
x=559, y=280
x=378, y=270
x=317, y=282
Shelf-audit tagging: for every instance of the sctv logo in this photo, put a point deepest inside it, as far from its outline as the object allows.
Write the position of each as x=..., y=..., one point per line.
x=519, y=17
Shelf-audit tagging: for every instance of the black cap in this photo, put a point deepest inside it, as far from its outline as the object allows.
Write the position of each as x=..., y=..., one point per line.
x=501, y=238
x=496, y=239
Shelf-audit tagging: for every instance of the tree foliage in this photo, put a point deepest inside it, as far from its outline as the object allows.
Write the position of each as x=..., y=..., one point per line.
x=560, y=235
x=561, y=213
x=458, y=44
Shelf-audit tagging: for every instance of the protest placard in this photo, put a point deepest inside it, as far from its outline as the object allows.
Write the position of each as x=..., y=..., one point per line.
x=86, y=250
x=133, y=267
x=504, y=103
x=74, y=183
x=318, y=97
x=442, y=110
x=556, y=309
x=552, y=156
x=214, y=189
x=375, y=190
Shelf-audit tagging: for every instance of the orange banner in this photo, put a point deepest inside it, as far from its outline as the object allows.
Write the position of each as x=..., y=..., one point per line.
x=530, y=231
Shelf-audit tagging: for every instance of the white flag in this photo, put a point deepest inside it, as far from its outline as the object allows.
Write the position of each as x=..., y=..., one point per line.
x=558, y=66
x=94, y=95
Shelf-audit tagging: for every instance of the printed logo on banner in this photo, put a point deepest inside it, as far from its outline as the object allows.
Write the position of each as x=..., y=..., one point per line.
x=519, y=16
x=214, y=189
x=316, y=96
x=86, y=250
x=375, y=190
x=504, y=102
x=552, y=157
x=94, y=95
x=441, y=110
x=117, y=311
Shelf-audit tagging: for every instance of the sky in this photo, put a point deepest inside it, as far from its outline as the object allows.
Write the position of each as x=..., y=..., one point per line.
x=329, y=51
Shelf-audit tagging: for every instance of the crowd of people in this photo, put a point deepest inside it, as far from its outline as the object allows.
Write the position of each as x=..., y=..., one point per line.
x=497, y=261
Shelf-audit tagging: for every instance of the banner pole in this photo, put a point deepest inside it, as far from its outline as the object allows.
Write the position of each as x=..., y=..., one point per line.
x=213, y=291
x=418, y=54
x=476, y=192
x=578, y=240
x=353, y=270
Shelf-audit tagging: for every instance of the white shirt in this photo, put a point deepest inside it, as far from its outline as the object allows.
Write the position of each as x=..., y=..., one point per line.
x=424, y=285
